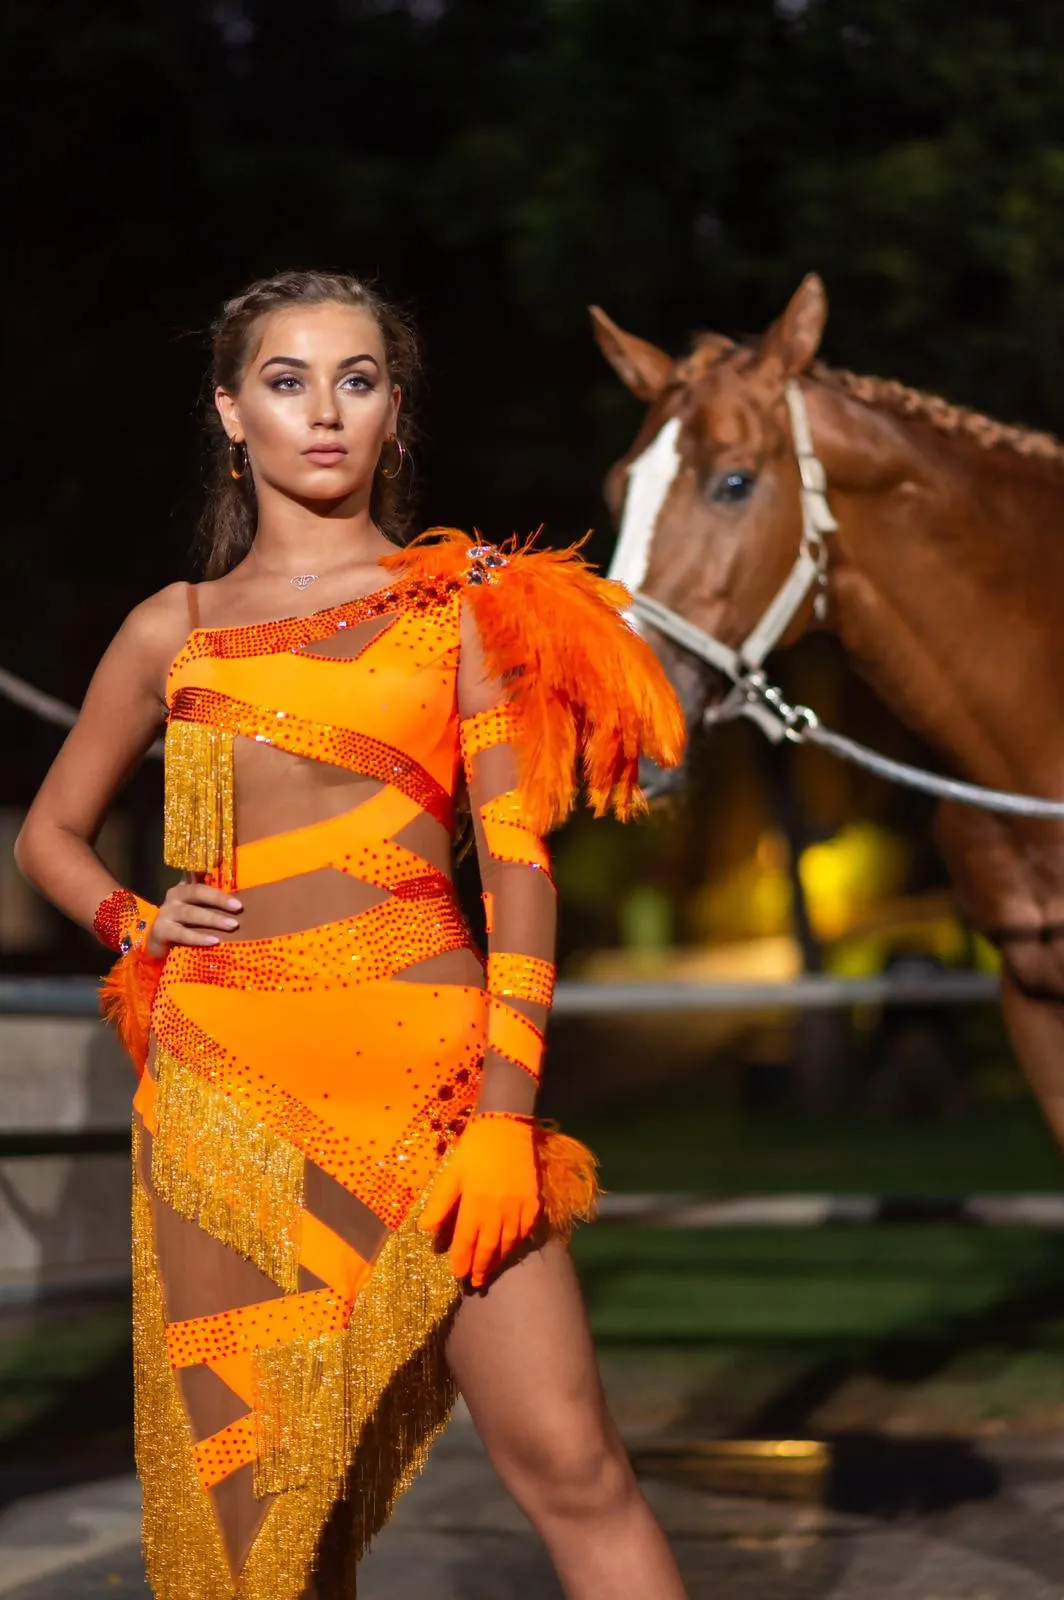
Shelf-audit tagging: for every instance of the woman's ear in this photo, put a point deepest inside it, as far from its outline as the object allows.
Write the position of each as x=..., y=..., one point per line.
x=228, y=411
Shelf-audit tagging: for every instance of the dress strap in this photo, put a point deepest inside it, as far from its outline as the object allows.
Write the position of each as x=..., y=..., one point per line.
x=192, y=602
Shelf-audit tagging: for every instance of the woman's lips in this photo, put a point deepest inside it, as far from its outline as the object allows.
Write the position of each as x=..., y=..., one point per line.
x=326, y=456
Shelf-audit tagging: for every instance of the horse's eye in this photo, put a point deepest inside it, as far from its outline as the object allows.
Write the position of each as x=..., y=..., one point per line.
x=733, y=487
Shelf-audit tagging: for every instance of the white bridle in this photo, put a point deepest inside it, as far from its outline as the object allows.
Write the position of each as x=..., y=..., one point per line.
x=650, y=477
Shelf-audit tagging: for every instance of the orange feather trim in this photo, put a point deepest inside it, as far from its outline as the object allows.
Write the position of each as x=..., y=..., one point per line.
x=591, y=694
x=568, y=1179
x=126, y=996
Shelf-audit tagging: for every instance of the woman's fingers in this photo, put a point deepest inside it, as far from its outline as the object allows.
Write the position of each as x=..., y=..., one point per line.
x=441, y=1201
x=203, y=894
x=486, y=1252
x=179, y=934
x=189, y=907
x=191, y=915
x=466, y=1241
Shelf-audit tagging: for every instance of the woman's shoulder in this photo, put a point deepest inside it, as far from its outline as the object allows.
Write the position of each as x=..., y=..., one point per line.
x=162, y=620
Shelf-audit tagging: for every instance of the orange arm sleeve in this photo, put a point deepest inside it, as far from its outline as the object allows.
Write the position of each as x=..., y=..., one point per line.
x=519, y=894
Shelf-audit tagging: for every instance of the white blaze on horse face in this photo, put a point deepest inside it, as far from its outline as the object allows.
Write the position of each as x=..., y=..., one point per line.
x=650, y=476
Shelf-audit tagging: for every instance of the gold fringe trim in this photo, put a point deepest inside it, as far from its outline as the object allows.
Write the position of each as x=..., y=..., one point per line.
x=315, y=1396
x=218, y=1166
x=198, y=805
x=183, y=1549
x=395, y=1374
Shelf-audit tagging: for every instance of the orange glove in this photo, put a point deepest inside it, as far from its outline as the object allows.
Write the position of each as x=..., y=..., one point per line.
x=490, y=1185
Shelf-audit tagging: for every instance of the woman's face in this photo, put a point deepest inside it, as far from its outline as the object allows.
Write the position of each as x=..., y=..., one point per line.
x=315, y=405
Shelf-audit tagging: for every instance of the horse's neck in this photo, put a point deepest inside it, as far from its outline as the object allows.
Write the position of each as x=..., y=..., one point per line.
x=947, y=577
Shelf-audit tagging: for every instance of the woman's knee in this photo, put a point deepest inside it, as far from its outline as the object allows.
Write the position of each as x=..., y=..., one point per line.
x=575, y=1470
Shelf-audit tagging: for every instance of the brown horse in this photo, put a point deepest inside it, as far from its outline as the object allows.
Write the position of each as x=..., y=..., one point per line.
x=944, y=583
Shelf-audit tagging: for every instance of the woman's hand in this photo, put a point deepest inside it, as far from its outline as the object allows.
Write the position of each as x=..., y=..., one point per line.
x=190, y=914
x=490, y=1185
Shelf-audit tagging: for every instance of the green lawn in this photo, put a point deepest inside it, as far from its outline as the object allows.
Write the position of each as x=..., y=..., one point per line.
x=694, y=1135
x=928, y=1327
x=63, y=1371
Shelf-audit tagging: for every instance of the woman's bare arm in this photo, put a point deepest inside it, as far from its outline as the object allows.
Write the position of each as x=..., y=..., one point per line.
x=122, y=715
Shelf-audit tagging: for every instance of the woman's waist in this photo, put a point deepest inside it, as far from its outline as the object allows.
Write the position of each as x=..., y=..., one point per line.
x=415, y=924
x=359, y=842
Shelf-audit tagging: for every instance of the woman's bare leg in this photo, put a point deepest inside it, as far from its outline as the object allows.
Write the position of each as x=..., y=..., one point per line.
x=522, y=1355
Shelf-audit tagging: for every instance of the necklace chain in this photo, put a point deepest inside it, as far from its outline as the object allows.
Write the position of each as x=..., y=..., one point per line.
x=299, y=580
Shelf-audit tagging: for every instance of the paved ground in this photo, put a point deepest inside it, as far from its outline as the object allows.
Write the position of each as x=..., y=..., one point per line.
x=458, y=1537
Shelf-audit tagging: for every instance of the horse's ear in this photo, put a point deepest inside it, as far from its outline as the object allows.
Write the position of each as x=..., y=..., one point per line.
x=794, y=339
x=641, y=366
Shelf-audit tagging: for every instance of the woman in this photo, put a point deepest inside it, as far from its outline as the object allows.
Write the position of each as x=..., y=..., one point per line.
x=345, y=1211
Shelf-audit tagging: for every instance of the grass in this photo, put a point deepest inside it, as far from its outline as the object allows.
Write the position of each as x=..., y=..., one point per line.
x=64, y=1371
x=932, y=1327
x=945, y=1328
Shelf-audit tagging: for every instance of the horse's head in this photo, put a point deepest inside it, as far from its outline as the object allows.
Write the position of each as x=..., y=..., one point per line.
x=729, y=525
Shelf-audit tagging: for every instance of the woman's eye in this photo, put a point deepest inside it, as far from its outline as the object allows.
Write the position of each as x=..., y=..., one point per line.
x=733, y=487
x=285, y=384
x=357, y=381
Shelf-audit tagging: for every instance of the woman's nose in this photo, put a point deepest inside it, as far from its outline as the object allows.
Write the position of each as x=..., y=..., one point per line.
x=325, y=411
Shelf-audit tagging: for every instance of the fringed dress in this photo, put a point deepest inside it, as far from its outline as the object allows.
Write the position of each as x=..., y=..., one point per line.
x=305, y=1079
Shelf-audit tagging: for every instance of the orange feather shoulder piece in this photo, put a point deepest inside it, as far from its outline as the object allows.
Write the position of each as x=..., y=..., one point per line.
x=591, y=695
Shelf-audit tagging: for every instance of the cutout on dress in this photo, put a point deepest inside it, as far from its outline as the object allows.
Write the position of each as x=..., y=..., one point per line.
x=427, y=838
x=302, y=903
x=348, y=643
x=201, y=1276
x=240, y=1513
x=343, y=1212
x=276, y=791
x=209, y=1402
x=459, y=967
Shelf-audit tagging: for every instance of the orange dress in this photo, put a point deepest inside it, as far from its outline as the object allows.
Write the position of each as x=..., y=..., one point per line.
x=306, y=1077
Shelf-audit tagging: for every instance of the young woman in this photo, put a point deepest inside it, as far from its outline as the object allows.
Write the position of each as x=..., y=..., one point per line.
x=345, y=1211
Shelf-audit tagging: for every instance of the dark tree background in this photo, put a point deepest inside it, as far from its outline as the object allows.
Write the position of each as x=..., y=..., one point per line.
x=496, y=164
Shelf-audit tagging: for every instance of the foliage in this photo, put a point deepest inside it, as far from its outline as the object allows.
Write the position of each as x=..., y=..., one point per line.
x=499, y=166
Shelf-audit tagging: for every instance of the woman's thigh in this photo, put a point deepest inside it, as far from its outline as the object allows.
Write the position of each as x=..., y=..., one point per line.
x=522, y=1355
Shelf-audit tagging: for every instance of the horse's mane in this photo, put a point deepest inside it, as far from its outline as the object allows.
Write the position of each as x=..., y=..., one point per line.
x=891, y=395
x=986, y=432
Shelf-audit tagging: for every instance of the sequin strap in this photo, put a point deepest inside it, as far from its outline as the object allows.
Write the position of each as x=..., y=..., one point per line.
x=123, y=921
x=512, y=976
x=508, y=836
x=512, y=1035
x=226, y=1451
x=504, y=818
x=497, y=725
x=226, y=716
x=258, y=1326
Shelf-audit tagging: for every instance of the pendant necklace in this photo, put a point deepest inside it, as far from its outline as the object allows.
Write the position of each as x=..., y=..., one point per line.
x=303, y=580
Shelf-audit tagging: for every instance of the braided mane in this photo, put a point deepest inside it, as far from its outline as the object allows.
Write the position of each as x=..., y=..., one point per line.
x=941, y=414
x=891, y=395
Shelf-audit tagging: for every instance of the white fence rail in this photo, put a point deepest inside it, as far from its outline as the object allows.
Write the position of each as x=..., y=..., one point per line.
x=76, y=997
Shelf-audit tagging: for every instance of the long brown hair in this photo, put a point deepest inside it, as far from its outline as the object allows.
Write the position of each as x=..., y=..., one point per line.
x=230, y=515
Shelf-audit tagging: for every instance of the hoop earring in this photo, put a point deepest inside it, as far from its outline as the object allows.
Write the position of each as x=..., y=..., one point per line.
x=401, y=448
x=238, y=458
